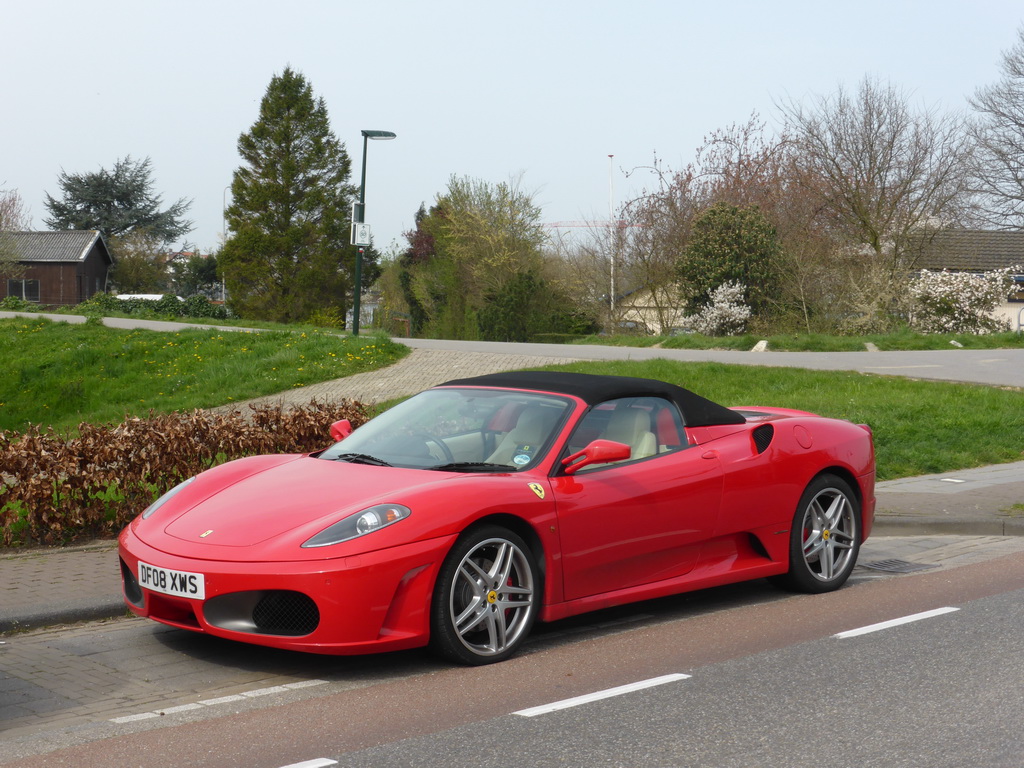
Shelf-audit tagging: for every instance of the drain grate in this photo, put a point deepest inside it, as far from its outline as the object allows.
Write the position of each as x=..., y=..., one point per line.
x=897, y=566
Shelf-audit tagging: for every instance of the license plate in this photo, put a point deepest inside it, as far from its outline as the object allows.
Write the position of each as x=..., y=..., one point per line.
x=177, y=583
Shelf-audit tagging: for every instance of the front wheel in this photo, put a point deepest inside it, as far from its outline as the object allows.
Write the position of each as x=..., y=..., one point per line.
x=486, y=597
x=824, y=537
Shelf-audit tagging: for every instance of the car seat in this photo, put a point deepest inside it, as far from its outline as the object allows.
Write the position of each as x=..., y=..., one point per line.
x=632, y=426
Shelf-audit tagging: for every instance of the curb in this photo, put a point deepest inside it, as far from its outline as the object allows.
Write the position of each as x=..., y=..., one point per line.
x=908, y=525
x=885, y=525
x=49, y=617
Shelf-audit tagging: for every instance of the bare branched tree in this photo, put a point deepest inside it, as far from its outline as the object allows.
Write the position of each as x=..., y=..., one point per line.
x=739, y=165
x=884, y=171
x=1000, y=136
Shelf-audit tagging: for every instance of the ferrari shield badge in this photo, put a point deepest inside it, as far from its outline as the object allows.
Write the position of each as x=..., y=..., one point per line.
x=538, y=489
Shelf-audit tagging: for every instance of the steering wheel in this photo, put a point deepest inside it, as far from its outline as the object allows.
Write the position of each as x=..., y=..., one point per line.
x=431, y=438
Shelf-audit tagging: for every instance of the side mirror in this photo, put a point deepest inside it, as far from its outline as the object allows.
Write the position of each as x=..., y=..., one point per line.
x=341, y=429
x=598, y=452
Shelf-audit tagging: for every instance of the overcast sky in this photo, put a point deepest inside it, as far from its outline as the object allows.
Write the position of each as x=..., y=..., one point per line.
x=540, y=90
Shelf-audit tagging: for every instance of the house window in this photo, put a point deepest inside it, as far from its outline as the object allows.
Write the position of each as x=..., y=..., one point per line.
x=1018, y=289
x=24, y=289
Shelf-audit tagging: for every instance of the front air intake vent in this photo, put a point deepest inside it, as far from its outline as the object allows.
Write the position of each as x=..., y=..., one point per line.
x=763, y=437
x=282, y=612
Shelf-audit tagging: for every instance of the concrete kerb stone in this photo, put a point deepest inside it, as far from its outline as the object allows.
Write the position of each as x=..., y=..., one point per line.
x=900, y=525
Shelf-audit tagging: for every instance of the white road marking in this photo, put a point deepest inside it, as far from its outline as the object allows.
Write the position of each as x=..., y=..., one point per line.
x=597, y=696
x=265, y=691
x=134, y=718
x=221, y=700
x=320, y=762
x=894, y=623
x=181, y=708
x=897, y=367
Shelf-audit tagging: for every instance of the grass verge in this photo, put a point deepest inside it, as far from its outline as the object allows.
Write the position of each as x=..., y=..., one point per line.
x=59, y=374
x=920, y=427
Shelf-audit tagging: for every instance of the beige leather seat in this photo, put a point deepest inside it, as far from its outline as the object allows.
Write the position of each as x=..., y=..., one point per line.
x=632, y=427
x=530, y=431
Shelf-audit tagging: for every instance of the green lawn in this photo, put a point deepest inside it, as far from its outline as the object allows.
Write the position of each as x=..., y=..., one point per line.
x=920, y=427
x=61, y=375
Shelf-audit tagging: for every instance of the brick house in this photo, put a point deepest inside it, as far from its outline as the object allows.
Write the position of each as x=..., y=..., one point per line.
x=62, y=268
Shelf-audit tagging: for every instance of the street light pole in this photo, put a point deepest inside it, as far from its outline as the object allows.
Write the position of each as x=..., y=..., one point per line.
x=611, y=245
x=360, y=215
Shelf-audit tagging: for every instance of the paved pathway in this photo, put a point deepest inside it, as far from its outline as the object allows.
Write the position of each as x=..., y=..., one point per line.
x=421, y=369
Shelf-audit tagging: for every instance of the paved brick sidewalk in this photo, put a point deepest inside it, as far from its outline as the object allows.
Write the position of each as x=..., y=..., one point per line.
x=982, y=501
x=48, y=586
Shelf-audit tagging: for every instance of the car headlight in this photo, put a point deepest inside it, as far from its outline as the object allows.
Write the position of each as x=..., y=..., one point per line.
x=360, y=524
x=165, y=498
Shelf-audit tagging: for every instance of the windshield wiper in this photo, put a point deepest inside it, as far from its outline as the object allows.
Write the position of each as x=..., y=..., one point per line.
x=361, y=458
x=472, y=466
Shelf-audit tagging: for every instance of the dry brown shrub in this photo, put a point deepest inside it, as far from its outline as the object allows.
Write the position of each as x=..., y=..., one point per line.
x=55, y=490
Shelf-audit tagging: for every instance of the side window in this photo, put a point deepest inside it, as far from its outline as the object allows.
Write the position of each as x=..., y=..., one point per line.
x=24, y=289
x=648, y=425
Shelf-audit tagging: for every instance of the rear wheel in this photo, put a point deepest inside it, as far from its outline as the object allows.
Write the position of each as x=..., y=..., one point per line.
x=824, y=537
x=486, y=598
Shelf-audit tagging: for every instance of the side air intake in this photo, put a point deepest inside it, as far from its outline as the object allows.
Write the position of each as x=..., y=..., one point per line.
x=763, y=437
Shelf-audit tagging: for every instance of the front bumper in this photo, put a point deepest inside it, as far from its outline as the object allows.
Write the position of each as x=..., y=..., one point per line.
x=364, y=603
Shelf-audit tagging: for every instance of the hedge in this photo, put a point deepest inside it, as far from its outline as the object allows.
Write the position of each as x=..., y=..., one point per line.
x=56, y=490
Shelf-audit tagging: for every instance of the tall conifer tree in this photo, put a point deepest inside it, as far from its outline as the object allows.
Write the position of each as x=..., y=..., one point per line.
x=288, y=253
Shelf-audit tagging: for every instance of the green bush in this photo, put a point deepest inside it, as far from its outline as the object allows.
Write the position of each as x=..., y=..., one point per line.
x=17, y=304
x=167, y=305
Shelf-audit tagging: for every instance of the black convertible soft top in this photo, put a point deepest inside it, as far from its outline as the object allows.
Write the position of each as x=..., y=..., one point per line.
x=696, y=410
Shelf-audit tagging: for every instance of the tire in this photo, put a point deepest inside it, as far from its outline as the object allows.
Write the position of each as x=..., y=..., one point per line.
x=486, y=597
x=824, y=538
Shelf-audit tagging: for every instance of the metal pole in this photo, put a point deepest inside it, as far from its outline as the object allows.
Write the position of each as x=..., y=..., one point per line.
x=611, y=244
x=361, y=214
x=224, y=222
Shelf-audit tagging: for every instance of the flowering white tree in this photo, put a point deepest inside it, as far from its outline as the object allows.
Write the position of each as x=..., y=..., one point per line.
x=959, y=302
x=13, y=218
x=726, y=315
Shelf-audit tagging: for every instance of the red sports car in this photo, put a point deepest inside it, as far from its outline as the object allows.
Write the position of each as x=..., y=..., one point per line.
x=459, y=517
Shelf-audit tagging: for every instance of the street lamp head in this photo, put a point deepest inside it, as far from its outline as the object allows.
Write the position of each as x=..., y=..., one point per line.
x=378, y=135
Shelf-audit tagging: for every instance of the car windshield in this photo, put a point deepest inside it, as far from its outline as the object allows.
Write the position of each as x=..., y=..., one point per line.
x=462, y=430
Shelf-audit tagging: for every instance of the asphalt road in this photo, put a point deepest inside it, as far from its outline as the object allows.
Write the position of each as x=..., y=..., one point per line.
x=940, y=691
x=1001, y=367
x=768, y=684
